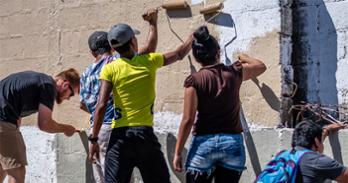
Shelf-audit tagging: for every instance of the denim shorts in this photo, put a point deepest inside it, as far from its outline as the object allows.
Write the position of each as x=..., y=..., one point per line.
x=208, y=151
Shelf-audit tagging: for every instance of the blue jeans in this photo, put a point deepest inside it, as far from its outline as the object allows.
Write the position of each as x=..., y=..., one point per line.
x=209, y=151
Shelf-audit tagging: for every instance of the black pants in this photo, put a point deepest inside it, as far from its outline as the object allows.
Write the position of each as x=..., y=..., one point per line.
x=131, y=147
x=220, y=175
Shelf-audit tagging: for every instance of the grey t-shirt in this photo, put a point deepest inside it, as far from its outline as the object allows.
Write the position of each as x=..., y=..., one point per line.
x=316, y=167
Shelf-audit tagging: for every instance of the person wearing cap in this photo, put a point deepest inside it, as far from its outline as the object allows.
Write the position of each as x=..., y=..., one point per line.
x=90, y=85
x=131, y=79
x=22, y=94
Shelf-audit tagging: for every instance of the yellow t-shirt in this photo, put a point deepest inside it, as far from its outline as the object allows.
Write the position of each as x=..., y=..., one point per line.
x=133, y=87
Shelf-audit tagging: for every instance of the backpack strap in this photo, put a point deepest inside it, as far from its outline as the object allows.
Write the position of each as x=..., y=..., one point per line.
x=299, y=154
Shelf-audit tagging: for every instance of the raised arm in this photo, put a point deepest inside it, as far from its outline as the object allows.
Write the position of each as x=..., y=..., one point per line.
x=332, y=128
x=190, y=107
x=47, y=124
x=151, y=42
x=252, y=67
x=179, y=53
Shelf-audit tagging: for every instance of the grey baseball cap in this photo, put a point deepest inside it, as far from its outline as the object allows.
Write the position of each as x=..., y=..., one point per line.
x=120, y=34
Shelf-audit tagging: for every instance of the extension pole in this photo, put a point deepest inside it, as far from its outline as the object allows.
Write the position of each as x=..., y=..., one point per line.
x=254, y=158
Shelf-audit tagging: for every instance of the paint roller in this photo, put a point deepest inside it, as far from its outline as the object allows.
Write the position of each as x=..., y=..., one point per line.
x=175, y=5
x=171, y=5
x=212, y=8
x=182, y=4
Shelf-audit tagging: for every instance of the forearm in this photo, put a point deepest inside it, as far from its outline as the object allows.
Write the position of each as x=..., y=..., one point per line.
x=179, y=53
x=332, y=128
x=152, y=39
x=325, y=134
x=98, y=119
x=53, y=127
x=252, y=67
x=185, y=48
x=184, y=132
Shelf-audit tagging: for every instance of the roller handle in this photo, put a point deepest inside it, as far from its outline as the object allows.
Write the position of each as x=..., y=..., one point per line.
x=211, y=8
x=173, y=5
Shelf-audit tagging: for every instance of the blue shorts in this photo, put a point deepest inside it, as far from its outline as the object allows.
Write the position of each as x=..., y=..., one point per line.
x=208, y=151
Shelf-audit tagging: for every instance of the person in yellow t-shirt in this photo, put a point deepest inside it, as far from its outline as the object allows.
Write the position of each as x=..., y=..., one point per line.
x=133, y=86
x=101, y=50
x=131, y=79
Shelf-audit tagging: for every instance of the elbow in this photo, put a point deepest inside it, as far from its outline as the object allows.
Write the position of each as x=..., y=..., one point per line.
x=151, y=48
x=343, y=177
x=180, y=56
x=147, y=50
x=100, y=106
x=82, y=106
x=260, y=69
x=263, y=68
x=43, y=126
x=181, y=53
x=187, y=122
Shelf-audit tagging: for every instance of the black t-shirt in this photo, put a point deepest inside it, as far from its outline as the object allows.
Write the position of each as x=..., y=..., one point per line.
x=21, y=93
x=316, y=167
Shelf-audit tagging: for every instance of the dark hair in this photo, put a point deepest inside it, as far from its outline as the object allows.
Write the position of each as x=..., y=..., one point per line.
x=305, y=133
x=98, y=42
x=124, y=48
x=204, y=47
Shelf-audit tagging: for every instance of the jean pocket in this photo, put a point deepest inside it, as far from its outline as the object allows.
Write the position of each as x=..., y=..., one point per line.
x=200, y=146
x=231, y=144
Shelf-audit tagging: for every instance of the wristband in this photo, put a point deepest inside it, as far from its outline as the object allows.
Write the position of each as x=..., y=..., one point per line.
x=93, y=140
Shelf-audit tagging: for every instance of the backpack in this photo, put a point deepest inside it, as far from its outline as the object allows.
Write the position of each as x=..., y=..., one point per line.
x=283, y=167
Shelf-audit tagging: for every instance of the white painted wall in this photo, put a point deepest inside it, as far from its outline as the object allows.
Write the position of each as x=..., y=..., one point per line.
x=252, y=19
x=41, y=154
x=338, y=12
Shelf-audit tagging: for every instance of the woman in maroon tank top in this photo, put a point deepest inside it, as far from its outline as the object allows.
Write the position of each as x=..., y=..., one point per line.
x=211, y=109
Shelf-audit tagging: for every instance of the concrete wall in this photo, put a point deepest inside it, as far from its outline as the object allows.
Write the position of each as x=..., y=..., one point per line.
x=49, y=36
x=59, y=159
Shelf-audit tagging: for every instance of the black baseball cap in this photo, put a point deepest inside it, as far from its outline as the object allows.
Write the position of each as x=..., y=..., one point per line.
x=120, y=34
x=98, y=40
